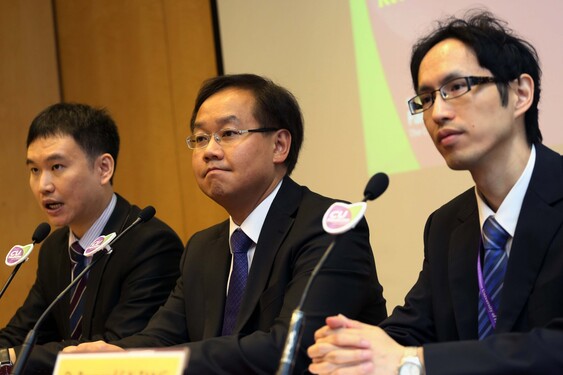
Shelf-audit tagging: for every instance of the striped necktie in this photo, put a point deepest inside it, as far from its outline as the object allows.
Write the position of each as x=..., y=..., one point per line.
x=78, y=263
x=240, y=243
x=494, y=268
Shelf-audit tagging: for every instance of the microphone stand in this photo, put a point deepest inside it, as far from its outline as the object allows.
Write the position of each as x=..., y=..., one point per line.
x=297, y=319
x=31, y=337
x=376, y=186
x=10, y=279
x=146, y=214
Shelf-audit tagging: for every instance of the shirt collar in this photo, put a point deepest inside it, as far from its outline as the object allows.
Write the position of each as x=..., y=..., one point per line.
x=509, y=210
x=252, y=225
x=96, y=229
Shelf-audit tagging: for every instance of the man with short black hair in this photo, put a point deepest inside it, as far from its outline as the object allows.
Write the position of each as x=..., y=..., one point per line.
x=489, y=297
x=71, y=155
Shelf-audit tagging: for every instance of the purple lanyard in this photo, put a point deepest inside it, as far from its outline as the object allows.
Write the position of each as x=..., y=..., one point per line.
x=491, y=312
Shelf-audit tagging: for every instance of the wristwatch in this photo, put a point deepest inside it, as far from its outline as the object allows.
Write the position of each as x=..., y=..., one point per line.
x=5, y=358
x=5, y=362
x=410, y=363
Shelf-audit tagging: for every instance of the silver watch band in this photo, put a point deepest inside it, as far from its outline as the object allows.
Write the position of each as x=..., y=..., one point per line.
x=410, y=363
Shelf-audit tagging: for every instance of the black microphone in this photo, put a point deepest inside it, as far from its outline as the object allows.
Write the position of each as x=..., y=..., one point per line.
x=18, y=255
x=376, y=186
x=145, y=215
x=41, y=232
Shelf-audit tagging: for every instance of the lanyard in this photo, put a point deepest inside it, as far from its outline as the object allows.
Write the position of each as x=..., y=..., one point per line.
x=491, y=312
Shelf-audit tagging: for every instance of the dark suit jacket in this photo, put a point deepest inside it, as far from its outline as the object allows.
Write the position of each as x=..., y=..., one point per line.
x=290, y=244
x=124, y=289
x=442, y=306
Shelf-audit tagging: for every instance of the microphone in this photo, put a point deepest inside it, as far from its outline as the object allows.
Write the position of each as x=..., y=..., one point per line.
x=40, y=233
x=376, y=186
x=338, y=219
x=19, y=254
x=104, y=242
x=145, y=215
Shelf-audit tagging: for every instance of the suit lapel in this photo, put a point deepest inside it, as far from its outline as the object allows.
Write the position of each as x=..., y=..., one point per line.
x=216, y=274
x=462, y=265
x=276, y=226
x=119, y=218
x=538, y=222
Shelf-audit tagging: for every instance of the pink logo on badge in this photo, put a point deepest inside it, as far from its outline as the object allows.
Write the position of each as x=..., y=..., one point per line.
x=341, y=217
x=98, y=244
x=18, y=254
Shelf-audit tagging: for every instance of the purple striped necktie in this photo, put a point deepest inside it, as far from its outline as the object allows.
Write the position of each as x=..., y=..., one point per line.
x=77, y=263
x=240, y=243
x=494, y=242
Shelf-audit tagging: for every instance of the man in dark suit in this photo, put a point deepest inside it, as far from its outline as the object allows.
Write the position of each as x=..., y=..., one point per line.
x=478, y=88
x=246, y=136
x=71, y=155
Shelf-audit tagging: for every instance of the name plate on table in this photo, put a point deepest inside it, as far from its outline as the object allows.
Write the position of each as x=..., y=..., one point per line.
x=128, y=362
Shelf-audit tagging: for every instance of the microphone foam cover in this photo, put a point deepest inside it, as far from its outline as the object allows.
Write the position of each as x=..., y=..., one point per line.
x=376, y=186
x=41, y=232
x=147, y=213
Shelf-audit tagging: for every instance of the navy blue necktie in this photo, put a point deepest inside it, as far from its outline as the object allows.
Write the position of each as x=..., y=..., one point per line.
x=494, y=268
x=240, y=243
x=78, y=263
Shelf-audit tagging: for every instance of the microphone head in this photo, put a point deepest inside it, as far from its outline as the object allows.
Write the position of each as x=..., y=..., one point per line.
x=41, y=232
x=147, y=213
x=376, y=186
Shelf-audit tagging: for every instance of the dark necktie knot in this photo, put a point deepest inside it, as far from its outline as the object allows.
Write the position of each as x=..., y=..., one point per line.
x=240, y=242
x=494, y=236
x=76, y=253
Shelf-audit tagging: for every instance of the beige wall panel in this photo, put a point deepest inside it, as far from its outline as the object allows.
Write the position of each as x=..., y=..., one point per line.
x=28, y=83
x=144, y=61
x=192, y=60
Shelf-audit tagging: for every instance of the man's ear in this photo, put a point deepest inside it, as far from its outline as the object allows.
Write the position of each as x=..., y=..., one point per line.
x=524, y=89
x=282, y=145
x=105, y=165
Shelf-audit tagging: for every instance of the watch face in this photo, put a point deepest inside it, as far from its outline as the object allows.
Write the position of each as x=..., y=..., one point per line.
x=409, y=368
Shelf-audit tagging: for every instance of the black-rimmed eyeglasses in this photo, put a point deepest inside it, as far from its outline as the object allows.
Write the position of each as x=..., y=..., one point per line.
x=449, y=90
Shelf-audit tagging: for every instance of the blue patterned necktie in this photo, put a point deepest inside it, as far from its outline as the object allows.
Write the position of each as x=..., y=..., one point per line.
x=240, y=243
x=78, y=263
x=494, y=268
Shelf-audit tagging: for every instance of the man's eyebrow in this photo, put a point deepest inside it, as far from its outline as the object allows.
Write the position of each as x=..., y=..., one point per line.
x=425, y=88
x=222, y=121
x=50, y=158
x=229, y=119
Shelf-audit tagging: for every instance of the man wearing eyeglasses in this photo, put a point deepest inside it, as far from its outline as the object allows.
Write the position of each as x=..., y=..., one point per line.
x=489, y=298
x=246, y=136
